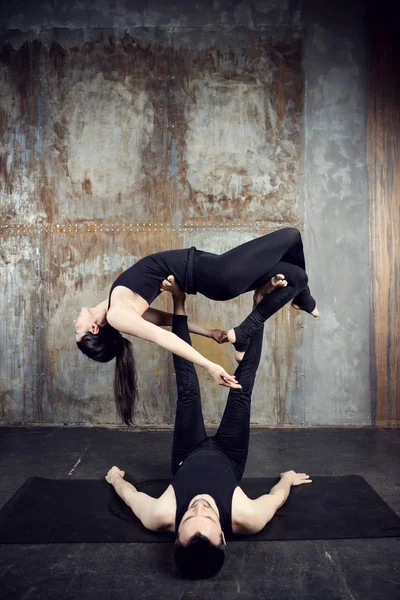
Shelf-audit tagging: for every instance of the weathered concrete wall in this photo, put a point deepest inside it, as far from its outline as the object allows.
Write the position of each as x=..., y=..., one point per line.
x=134, y=127
x=336, y=213
x=131, y=128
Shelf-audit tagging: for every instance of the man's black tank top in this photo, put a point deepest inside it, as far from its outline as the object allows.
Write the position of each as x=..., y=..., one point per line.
x=206, y=471
x=145, y=276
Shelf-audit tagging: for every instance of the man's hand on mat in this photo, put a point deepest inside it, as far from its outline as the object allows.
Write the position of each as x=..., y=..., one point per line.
x=296, y=478
x=222, y=377
x=219, y=336
x=113, y=472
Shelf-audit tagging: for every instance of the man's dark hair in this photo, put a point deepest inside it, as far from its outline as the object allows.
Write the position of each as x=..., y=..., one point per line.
x=199, y=558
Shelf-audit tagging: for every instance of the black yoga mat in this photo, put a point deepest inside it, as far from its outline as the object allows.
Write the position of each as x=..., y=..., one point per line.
x=83, y=510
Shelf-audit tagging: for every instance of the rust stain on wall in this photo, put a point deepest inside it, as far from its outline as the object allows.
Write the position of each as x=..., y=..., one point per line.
x=87, y=187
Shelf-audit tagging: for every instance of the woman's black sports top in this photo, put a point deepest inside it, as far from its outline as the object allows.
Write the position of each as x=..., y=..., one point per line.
x=145, y=276
x=206, y=471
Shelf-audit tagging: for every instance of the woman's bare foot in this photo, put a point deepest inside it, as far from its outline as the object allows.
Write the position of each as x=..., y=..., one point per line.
x=278, y=281
x=314, y=313
x=170, y=285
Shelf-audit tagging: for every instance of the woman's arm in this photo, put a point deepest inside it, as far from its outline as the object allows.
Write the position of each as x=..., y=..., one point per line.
x=164, y=319
x=130, y=322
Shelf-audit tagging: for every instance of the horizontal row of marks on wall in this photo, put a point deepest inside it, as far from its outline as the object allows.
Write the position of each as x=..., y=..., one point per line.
x=143, y=227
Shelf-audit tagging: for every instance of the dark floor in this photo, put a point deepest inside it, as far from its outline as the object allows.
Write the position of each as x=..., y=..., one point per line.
x=365, y=569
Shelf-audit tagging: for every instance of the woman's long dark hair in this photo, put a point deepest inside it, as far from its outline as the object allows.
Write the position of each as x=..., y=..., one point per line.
x=103, y=347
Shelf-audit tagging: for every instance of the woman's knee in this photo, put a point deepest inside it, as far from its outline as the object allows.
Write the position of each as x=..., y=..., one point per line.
x=292, y=234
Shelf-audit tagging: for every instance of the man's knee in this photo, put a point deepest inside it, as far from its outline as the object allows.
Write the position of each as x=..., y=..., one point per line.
x=296, y=277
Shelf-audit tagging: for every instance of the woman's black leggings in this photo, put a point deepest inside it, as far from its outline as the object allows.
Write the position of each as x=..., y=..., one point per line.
x=250, y=266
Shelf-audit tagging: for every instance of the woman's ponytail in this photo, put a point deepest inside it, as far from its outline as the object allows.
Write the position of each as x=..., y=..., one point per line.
x=125, y=381
x=105, y=346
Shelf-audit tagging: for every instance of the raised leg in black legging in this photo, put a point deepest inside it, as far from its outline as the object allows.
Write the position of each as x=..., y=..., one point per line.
x=189, y=430
x=232, y=436
x=225, y=276
x=248, y=267
x=296, y=278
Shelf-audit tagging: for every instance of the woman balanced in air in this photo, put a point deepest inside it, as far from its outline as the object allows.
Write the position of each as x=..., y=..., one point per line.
x=277, y=256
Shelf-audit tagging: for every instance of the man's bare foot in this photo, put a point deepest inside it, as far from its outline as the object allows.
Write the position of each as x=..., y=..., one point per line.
x=278, y=281
x=314, y=313
x=178, y=296
x=170, y=285
x=232, y=339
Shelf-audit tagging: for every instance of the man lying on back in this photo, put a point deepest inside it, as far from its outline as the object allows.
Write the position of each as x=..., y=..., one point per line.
x=204, y=501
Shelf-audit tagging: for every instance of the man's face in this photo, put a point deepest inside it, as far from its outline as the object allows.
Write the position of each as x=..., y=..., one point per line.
x=200, y=517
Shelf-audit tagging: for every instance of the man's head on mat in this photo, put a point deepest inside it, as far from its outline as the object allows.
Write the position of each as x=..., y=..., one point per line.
x=200, y=541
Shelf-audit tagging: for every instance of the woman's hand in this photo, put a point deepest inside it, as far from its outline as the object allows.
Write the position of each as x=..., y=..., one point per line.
x=222, y=377
x=219, y=336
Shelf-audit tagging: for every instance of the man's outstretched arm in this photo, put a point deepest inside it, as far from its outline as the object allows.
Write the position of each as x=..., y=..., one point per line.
x=164, y=319
x=261, y=510
x=143, y=505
